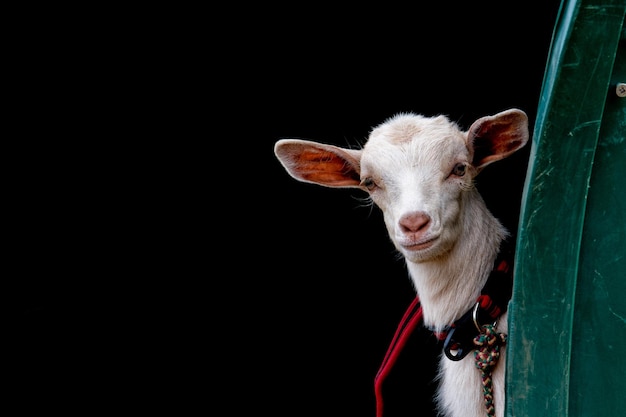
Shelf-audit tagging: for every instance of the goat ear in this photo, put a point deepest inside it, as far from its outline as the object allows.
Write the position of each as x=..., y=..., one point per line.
x=492, y=138
x=320, y=164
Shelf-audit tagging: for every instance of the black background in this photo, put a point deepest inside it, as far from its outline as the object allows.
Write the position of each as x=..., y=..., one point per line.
x=206, y=277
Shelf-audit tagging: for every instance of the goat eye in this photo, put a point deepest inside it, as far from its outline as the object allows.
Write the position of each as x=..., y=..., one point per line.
x=459, y=169
x=368, y=183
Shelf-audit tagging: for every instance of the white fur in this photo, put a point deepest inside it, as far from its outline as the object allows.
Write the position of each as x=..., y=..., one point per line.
x=434, y=216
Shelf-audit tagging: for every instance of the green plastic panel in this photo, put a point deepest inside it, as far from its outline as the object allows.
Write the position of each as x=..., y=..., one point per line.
x=567, y=328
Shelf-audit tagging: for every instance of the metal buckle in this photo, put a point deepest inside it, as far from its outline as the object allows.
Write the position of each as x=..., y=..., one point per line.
x=475, y=319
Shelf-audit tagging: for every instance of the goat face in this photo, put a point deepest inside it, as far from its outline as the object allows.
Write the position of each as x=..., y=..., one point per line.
x=418, y=171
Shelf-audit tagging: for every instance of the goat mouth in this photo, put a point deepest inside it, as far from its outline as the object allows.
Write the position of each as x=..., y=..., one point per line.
x=424, y=244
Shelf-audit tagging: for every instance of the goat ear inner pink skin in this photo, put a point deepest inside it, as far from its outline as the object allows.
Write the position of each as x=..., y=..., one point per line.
x=492, y=138
x=324, y=164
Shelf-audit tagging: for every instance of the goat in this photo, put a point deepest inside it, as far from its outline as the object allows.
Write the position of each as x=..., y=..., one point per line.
x=420, y=172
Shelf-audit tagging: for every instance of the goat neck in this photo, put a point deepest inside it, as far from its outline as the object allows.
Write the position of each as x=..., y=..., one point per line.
x=449, y=285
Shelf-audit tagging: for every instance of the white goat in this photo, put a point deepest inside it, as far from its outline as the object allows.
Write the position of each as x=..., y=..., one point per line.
x=419, y=171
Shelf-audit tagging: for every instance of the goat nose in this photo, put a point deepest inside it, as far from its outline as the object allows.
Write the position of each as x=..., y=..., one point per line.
x=414, y=222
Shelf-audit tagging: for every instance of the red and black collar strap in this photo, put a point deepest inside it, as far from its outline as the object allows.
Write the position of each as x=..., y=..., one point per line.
x=458, y=337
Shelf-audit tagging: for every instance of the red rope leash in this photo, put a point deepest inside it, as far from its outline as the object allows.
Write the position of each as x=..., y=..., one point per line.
x=412, y=318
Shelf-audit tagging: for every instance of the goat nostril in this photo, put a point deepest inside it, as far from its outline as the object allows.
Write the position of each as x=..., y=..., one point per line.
x=414, y=222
